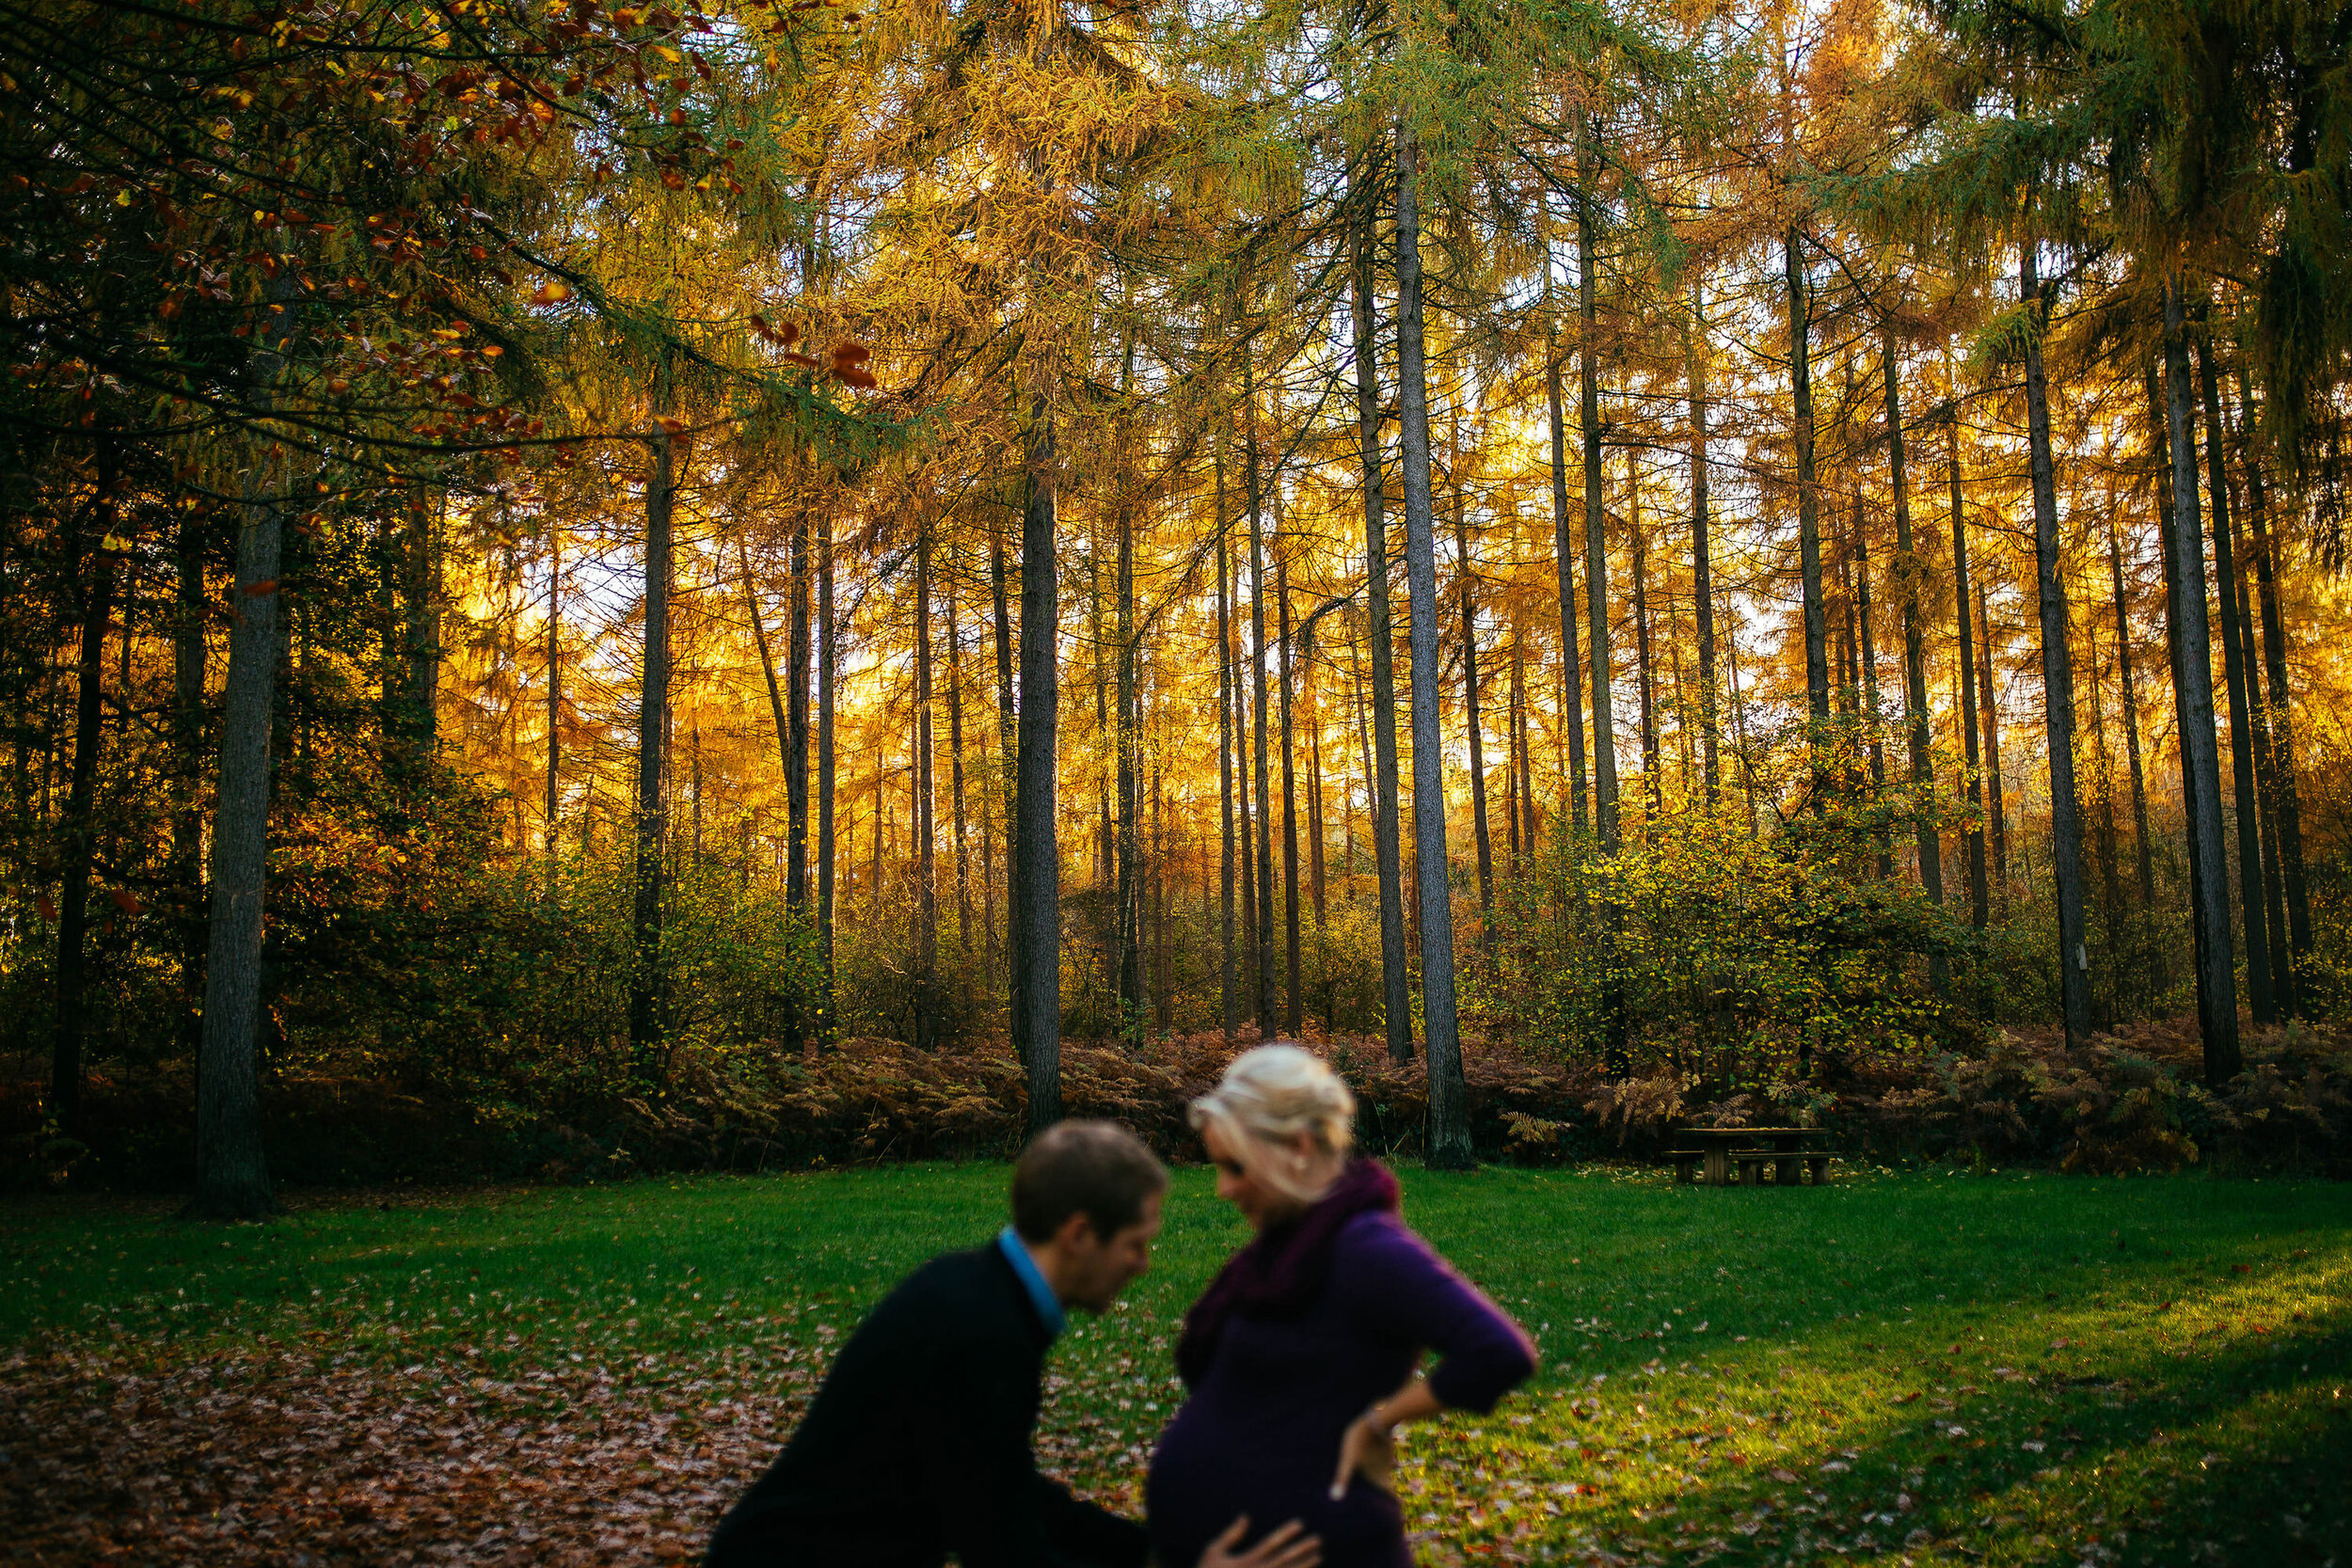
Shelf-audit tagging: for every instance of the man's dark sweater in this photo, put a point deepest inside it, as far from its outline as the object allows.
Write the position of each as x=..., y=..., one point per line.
x=918, y=1445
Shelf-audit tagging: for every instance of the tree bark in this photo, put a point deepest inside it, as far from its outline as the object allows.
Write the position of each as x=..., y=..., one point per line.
x=102, y=552
x=920, y=810
x=1596, y=537
x=1227, y=998
x=768, y=670
x=1292, y=1012
x=1978, y=894
x=1037, y=896
x=1480, y=830
x=187, y=873
x=2057, y=677
x=1909, y=575
x=1997, y=812
x=647, y=988
x=1007, y=775
x=2288, y=809
x=1563, y=546
x=1808, y=513
x=1449, y=1095
x=955, y=774
x=2201, y=765
x=1381, y=777
x=1262, y=973
x=2252, y=906
x=2131, y=715
x=1644, y=671
x=1129, y=782
x=1702, y=564
x=796, y=721
x=231, y=1171
x=827, y=654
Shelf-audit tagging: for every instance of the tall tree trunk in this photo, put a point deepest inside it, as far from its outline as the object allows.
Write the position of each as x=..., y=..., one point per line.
x=1532, y=831
x=1037, y=891
x=1381, y=773
x=768, y=670
x=1867, y=670
x=2131, y=716
x=1996, y=811
x=1605, y=818
x=1978, y=907
x=2157, y=372
x=1909, y=575
x=2260, y=1002
x=1808, y=511
x=2266, y=796
x=2104, y=837
x=796, y=721
x=1130, y=780
x=555, y=680
x=1227, y=998
x=647, y=988
x=1292, y=1014
x=2200, y=764
x=1007, y=774
x=1644, y=671
x=2058, y=678
x=1480, y=830
x=422, y=598
x=187, y=873
x=1564, y=542
x=1247, y=856
x=2288, y=809
x=919, y=812
x=2266, y=745
x=1310, y=690
x=101, y=554
x=1596, y=537
x=231, y=1173
x=955, y=774
x=1261, y=974
x=828, y=650
x=1449, y=1094
x=1738, y=713
x=1702, y=564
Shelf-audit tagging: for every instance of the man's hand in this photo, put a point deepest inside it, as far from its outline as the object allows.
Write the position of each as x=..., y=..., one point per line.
x=1369, y=1445
x=1288, y=1547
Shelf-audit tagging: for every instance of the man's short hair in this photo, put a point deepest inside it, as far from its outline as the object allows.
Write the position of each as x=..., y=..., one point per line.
x=1093, y=1168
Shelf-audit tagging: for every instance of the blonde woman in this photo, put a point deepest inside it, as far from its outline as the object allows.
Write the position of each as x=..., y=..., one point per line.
x=1302, y=1355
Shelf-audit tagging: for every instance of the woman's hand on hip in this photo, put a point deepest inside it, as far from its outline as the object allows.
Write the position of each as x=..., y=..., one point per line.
x=1288, y=1546
x=1367, y=1447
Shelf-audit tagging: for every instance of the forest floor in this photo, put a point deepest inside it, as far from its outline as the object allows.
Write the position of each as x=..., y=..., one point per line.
x=1913, y=1369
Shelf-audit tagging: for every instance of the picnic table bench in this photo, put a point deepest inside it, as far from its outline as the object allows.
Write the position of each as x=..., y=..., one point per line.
x=1790, y=1151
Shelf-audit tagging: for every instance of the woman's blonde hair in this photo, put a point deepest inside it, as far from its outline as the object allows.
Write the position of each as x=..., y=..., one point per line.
x=1272, y=1094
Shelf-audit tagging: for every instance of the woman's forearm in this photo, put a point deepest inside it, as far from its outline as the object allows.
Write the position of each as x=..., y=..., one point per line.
x=1412, y=1401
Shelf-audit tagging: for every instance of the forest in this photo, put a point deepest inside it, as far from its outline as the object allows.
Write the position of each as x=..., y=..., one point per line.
x=571, y=560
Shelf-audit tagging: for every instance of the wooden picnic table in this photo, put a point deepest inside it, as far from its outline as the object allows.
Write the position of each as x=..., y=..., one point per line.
x=1789, y=1149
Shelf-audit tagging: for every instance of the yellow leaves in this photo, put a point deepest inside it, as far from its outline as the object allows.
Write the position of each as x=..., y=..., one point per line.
x=554, y=291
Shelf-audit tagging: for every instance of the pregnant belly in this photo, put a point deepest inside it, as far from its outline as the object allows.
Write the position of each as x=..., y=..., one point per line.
x=1204, y=1474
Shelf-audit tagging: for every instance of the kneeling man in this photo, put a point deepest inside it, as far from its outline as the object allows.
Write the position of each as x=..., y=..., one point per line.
x=916, y=1447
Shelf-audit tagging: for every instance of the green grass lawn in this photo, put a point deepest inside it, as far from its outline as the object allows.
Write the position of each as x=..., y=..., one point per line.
x=1914, y=1368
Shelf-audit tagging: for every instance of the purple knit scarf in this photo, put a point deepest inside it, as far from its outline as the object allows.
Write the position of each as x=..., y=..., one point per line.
x=1280, y=1273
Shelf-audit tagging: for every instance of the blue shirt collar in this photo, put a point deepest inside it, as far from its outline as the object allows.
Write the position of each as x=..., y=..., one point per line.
x=1025, y=1270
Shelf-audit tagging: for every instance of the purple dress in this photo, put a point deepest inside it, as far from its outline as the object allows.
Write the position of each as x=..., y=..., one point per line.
x=1260, y=1433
